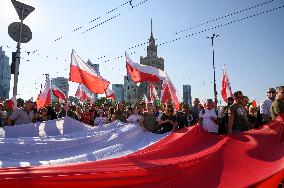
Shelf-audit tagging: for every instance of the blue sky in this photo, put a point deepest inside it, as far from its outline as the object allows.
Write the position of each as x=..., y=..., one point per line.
x=252, y=49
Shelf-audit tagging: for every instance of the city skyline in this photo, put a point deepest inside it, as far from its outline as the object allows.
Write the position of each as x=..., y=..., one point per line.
x=248, y=48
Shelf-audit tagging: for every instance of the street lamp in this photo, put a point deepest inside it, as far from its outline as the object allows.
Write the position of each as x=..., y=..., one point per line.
x=215, y=91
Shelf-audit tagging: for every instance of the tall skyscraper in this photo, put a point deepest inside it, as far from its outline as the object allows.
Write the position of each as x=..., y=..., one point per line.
x=62, y=84
x=118, y=90
x=153, y=60
x=96, y=67
x=5, y=75
x=130, y=90
x=187, y=95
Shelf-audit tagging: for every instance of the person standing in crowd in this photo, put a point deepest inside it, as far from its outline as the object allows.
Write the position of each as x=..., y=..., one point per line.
x=23, y=115
x=246, y=104
x=119, y=113
x=129, y=111
x=87, y=115
x=42, y=115
x=252, y=116
x=134, y=117
x=53, y=112
x=277, y=106
x=195, y=110
x=223, y=126
x=167, y=121
x=148, y=120
x=237, y=117
x=208, y=118
x=157, y=111
x=110, y=114
x=141, y=109
x=184, y=117
x=266, y=105
x=101, y=120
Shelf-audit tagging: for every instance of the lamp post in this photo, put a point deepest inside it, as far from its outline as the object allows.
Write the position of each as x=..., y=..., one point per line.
x=215, y=91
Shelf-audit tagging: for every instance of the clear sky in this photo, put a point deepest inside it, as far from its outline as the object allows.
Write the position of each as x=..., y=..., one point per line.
x=252, y=49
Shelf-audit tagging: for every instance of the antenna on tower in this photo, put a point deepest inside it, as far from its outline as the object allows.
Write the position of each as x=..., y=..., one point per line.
x=151, y=28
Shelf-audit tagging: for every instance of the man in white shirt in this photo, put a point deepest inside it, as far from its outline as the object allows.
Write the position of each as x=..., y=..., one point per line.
x=101, y=120
x=208, y=117
x=266, y=104
x=135, y=117
x=23, y=115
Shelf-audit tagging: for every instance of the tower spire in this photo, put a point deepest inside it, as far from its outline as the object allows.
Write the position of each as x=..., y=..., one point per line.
x=151, y=28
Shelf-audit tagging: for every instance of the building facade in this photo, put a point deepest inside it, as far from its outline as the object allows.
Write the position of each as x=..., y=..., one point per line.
x=153, y=60
x=130, y=90
x=187, y=95
x=118, y=90
x=5, y=75
x=62, y=84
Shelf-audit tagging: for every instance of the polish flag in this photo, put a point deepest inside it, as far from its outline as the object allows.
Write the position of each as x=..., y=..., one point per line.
x=83, y=93
x=110, y=94
x=254, y=103
x=226, y=86
x=82, y=73
x=169, y=92
x=44, y=98
x=153, y=92
x=12, y=103
x=58, y=93
x=140, y=73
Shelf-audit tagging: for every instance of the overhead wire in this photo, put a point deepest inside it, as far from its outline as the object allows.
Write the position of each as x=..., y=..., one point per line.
x=207, y=29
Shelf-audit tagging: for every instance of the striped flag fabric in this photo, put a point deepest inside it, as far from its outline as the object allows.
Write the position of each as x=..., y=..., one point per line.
x=44, y=98
x=226, y=86
x=82, y=73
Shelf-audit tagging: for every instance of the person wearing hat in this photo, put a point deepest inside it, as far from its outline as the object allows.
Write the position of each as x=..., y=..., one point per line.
x=23, y=115
x=266, y=104
x=237, y=117
x=195, y=109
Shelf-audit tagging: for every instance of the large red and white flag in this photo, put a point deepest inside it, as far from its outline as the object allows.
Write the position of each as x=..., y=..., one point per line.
x=44, y=98
x=83, y=93
x=226, y=86
x=140, y=73
x=58, y=93
x=153, y=92
x=169, y=92
x=110, y=94
x=82, y=73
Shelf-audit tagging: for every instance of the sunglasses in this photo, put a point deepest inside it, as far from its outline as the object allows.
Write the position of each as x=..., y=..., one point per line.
x=271, y=91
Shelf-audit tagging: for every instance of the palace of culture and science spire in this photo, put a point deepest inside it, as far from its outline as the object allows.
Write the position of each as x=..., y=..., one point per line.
x=131, y=91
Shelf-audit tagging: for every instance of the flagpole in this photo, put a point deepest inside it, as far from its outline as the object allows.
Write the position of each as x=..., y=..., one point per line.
x=47, y=76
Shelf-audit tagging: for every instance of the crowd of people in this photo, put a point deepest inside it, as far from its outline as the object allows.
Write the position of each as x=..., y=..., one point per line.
x=237, y=116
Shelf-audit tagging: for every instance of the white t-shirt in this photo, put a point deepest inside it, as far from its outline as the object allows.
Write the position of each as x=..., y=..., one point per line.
x=100, y=121
x=265, y=107
x=207, y=123
x=134, y=118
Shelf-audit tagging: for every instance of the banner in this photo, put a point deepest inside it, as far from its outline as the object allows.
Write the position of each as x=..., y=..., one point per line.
x=190, y=157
